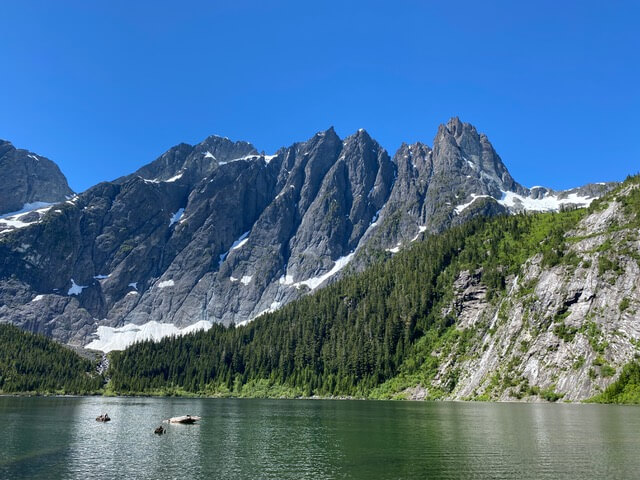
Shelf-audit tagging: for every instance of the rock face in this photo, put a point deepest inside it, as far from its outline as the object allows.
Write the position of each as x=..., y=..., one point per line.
x=28, y=179
x=565, y=330
x=217, y=232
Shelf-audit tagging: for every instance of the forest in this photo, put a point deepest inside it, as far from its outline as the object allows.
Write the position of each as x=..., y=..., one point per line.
x=368, y=335
x=35, y=364
x=351, y=337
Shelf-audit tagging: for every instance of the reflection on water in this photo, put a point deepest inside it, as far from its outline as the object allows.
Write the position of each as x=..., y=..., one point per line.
x=277, y=439
x=35, y=442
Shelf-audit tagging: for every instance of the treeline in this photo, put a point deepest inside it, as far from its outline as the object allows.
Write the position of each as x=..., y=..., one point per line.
x=354, y=335
x=35, y=364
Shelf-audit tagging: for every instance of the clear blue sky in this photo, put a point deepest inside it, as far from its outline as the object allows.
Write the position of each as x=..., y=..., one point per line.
x=103, y=87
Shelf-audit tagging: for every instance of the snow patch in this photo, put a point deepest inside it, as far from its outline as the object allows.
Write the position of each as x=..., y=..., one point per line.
x=75, y=288
x=315, y=282
x=460, y=208
x=173, y=179
x=14, y=219
x=166, y=283
x=14, y=223
x=286, y=280
x=37, y=298
x=374, y=220
x=284, y=191
x=176, y=216
x=133, y=285
x=240, y=241
x=267, y=158
x=110, y=339
x=101, y=277
x=272, y=308
x=209, y=155
x=246, y=279
x=27, y=207
x=157, y=180
x=234, y=246
x=421, y=229
x=548, y=203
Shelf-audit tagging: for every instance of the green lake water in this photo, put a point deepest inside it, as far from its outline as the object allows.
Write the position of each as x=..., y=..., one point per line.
x=58, y=438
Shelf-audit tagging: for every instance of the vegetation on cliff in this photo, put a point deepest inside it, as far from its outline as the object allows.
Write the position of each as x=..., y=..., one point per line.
x=368, y=335
x=624, y=390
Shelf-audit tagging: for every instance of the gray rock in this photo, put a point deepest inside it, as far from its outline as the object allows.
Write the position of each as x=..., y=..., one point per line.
x=518, y=342
x=28, y=178
x=217, y=232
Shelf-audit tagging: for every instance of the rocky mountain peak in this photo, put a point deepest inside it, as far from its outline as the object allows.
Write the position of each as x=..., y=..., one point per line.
x=28, y=179
x=219, y=148
x=459, y=129
x=190, y=164
x=216, y=232
x=5, y=146
x=329, y=132
x=414, y=158
x=459, y=148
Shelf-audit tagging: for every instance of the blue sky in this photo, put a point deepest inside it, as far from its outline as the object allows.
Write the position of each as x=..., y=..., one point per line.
x=105, y=87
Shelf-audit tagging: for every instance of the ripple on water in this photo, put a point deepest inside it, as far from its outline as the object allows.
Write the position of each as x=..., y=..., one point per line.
x=279, y=439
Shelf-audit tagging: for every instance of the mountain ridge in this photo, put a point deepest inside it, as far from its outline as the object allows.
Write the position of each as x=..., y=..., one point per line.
x=526, y=307
x=29, y=181
x=218, y=232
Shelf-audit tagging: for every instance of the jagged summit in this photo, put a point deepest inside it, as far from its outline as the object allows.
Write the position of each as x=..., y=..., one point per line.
x=193, y=162
x=331, y=131
x=217, y=232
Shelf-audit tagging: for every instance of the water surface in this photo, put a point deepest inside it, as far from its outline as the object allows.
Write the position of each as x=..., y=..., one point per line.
x=58, y=438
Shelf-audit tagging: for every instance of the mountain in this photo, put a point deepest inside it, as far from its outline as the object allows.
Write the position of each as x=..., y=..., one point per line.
x=28, y=180
x=219, y=233
x=528, y=307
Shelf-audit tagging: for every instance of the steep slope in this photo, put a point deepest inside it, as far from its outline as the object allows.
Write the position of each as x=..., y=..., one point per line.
x=217, y=232
x=179, y=248
x=28, y=180
x=532, y=307
x=462, y=176
x=570, y=319
x=33, y=363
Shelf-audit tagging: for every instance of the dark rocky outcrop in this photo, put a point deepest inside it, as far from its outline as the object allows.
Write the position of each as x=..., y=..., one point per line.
x=28, y=178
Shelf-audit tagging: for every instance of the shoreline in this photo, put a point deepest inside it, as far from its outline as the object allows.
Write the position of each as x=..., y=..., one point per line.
x=231, y=397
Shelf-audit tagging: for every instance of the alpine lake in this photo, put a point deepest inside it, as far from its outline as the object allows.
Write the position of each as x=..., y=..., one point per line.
x=59, y=438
